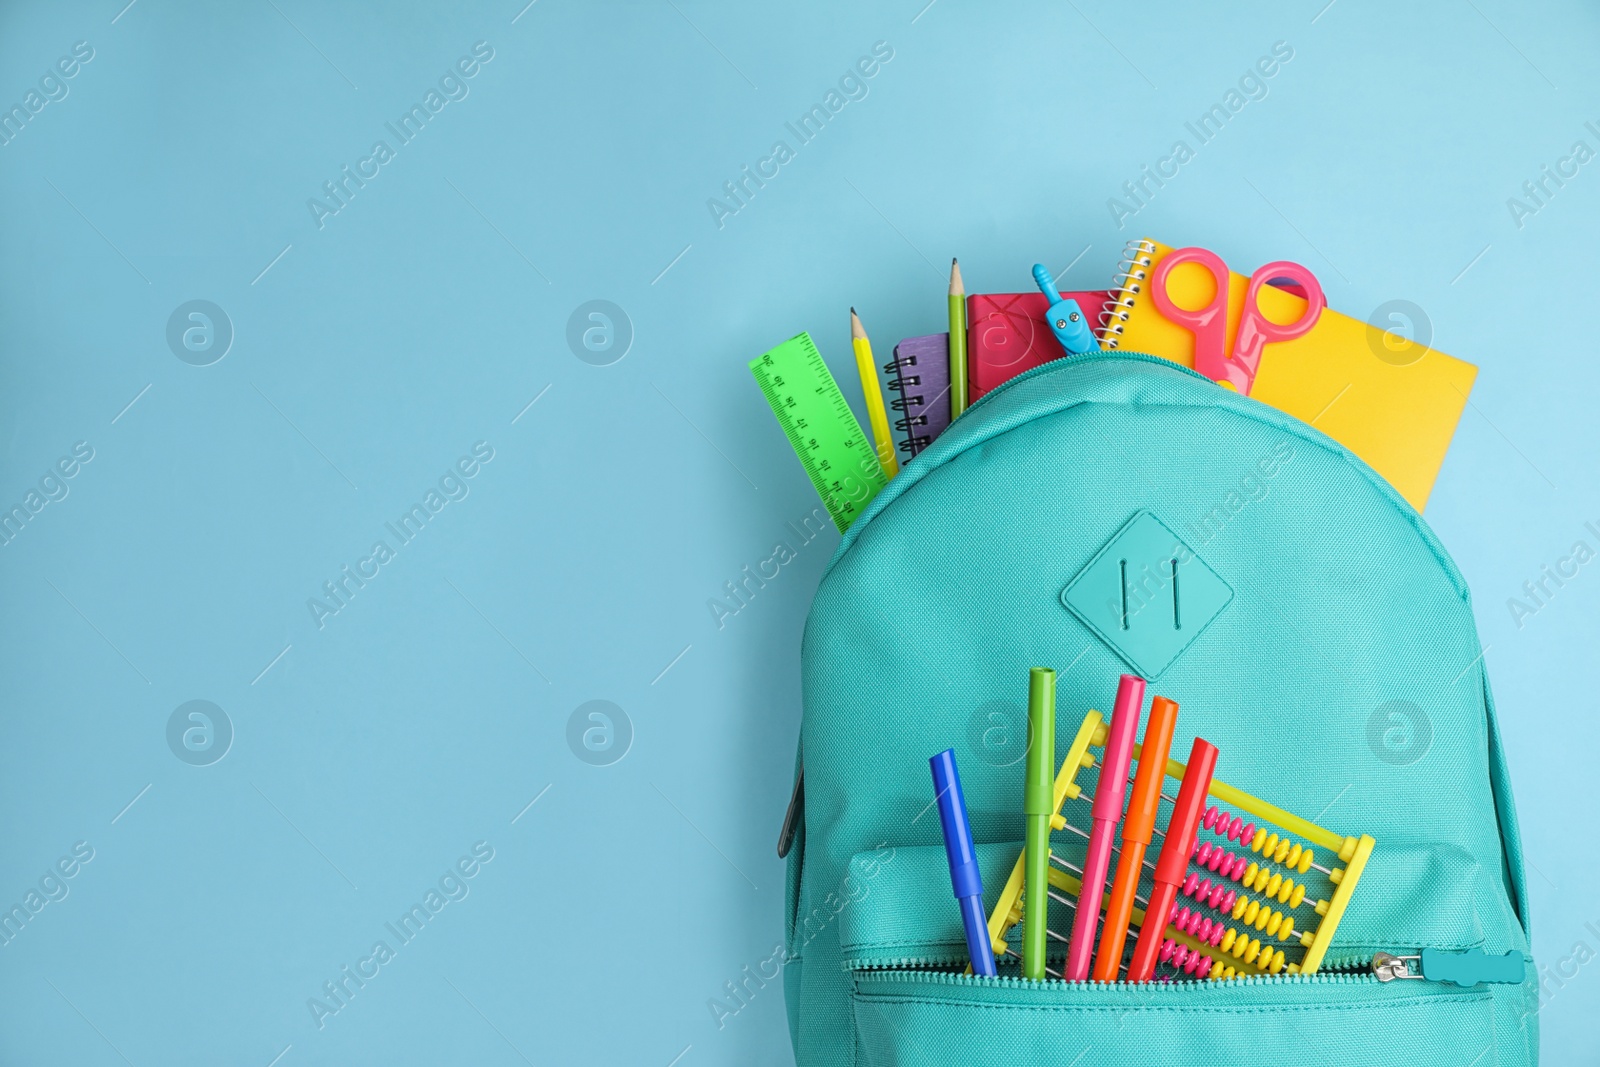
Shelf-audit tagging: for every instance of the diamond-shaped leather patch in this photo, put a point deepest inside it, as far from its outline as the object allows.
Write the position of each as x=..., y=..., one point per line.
x=1147, y=595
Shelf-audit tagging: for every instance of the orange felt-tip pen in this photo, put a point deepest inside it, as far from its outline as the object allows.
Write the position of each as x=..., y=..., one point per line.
x=1138, y=828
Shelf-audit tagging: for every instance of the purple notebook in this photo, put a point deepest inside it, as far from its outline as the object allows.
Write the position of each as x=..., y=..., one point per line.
x=920, y=375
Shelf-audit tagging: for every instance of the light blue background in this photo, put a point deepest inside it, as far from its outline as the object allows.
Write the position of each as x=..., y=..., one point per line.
x=426, y=315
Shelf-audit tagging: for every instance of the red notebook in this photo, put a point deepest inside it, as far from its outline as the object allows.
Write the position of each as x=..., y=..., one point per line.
x=1007, y=334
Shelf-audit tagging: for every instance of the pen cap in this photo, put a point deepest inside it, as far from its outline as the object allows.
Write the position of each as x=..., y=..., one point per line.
x=964, y=876
x=1185, y=821
x=1119, y=748
x=1046, y=283
x=1037, y=788
x=1140, y=823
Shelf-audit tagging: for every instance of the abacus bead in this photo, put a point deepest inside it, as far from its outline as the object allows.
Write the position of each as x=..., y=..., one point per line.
x=1297, y=896
x=1228, y=939
x=1209, y=818
x=1256, y=841
x=1294, y=857
x=1305, y=861
x=1248, y=833
x=1167, y=949
x=1281, y=853
x=1263, y=875
x=1273, y=884
x=1250, y=873
x=1276, y=966
x=1191, y=884
x=1252, y=951
x=1227, y=899
x=1285, y=891
x=1206, y=964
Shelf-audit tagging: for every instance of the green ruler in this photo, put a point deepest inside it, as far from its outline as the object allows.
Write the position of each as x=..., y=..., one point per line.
x=821, y=428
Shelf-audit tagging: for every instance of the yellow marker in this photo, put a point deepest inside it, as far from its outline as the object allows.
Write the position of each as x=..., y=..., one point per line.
x=874, y=396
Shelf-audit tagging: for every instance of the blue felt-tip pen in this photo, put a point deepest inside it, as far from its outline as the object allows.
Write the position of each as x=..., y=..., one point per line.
x=964, y=874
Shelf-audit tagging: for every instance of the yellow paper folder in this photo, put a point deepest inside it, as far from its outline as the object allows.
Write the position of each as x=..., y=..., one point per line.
x=1393, y=402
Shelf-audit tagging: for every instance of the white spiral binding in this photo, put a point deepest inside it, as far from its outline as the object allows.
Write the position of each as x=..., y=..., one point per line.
x=1126, y=284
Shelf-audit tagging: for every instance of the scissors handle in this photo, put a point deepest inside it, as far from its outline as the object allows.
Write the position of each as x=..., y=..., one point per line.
x=1209, y=324
x=1256, y=330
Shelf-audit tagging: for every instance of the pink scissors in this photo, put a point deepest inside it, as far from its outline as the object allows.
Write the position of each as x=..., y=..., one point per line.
x=1209, y=324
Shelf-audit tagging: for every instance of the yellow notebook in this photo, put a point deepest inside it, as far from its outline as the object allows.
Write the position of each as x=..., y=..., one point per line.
x=1391, y=401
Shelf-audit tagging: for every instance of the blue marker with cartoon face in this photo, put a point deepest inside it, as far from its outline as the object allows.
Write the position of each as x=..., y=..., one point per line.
x=1066, y=318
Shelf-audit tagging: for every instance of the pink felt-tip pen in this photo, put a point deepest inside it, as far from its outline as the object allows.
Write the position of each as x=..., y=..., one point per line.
x=1108, y=797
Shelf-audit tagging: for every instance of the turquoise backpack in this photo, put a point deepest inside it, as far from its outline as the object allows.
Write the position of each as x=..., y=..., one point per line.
x=1341, y=678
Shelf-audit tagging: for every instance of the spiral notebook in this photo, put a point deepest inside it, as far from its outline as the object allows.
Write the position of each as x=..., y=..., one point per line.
x=1393, y=402
x=1007, y=334
x=919, y=376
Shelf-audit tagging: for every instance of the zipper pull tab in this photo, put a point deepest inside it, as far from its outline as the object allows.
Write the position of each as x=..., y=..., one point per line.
x=1470, y=968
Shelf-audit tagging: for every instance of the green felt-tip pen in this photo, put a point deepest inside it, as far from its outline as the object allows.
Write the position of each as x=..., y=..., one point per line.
x=1037, y=796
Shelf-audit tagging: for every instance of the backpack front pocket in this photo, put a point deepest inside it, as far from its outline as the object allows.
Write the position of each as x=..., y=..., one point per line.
x=902, y=942
x=932, y=1018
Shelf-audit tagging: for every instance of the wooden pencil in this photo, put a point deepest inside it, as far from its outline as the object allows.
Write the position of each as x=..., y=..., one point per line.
x=958, y=341
x=873, y=393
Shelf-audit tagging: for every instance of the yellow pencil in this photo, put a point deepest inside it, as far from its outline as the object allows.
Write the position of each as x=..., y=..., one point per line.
x=874, y=396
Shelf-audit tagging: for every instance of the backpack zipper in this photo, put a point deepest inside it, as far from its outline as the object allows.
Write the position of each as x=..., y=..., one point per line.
x=1472, y=967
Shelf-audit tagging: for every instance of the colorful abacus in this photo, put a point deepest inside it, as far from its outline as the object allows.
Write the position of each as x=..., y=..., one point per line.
x=1266, y=922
